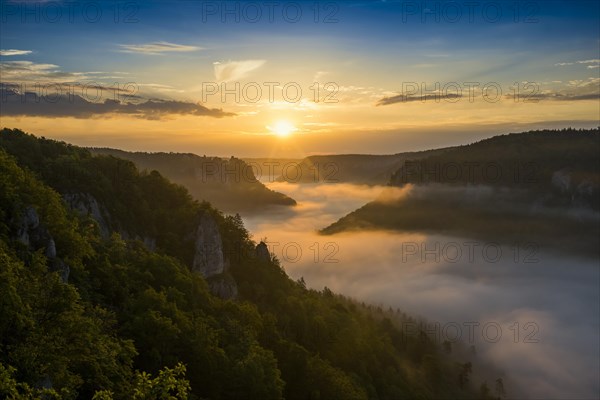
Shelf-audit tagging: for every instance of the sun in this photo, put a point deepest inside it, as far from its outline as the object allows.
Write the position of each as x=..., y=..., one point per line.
x=282, y=128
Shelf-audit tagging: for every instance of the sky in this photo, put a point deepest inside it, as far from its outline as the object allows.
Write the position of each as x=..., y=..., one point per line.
x=291, y=79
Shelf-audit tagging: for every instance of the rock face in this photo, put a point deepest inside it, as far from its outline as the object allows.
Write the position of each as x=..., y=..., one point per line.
x=262, y=252
x=149, y=242
x=561, y=180
x=86, y=204
x=208, y=256
x=29, y=223
x=34, y=235
x=224, y=287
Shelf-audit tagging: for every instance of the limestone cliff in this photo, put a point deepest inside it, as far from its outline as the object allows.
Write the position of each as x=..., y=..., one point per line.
x=86, y=204
x=33, y=234
x=208, y=256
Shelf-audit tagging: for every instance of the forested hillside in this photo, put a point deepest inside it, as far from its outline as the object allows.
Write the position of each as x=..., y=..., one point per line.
x=100, y=298
x=365, y=169
x=563, y=164
x=540, y=188
x=231, y=185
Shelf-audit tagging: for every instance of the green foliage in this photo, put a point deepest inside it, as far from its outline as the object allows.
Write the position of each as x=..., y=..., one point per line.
x=229, y=184
x=524, y=205
x=127, y=308
x=170, y=384
x=518, y=160
x=10, y=389
x=49, y=334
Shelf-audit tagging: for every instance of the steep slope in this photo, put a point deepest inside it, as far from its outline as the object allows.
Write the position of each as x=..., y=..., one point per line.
x=128, y=306
x=228, y=184
x=535, y=187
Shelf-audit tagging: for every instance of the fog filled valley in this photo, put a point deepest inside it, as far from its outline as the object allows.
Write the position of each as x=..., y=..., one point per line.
x=117, y=283
x=300, y=200
x=460, y=284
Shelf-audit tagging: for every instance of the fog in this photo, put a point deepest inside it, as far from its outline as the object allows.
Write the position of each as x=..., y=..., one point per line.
x=533, y=315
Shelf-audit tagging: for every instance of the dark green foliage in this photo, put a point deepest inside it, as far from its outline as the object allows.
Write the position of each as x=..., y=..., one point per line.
x=518, y=160
x=228, y=184
x=127, y=309
x=546, y=195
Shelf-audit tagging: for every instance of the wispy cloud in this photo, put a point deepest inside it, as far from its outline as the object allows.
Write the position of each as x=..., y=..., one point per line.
x=15, y=103
x=27, y=70
x=576, y=90
x=595, y=61
x=44, y=90
x=14, y=52
x=234, y=70
x=592, y=61
x=157, y=48
x=403, y=98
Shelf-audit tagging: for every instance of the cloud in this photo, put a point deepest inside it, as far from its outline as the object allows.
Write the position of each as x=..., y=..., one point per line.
x=402, y=98
x=157, y=48
x=235, y=70
x=15, y=103
x=49, y=92
x=319, y=75
x=27, y=71
x=558, y=97
x=14, y=52
x=578, y=90
x=593, y=61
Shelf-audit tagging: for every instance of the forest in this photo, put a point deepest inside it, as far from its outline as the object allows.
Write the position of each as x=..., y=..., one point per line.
x=538, y=188
x=86, y=313
x=230, y=184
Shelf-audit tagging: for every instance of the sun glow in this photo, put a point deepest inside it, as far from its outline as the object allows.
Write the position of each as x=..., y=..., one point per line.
x=282, y=128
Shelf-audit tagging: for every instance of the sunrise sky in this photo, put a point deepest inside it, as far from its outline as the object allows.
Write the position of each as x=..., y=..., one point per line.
x=334, y=77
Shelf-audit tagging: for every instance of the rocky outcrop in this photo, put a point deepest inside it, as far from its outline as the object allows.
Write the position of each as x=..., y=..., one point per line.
x=262, y=252
x=149, y=242
x=208, y=255
x=209, y=260
x=580, y=193
x=86, y=204
x=223, y=286
x=51, y=248
x=33, y=234
x=28, y=223
x=562, y=180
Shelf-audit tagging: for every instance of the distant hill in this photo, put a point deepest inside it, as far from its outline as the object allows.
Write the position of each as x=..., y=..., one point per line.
x=269, y=169
x=364, y=169
x=541, y=186
x=551, y=161
x=229, y=184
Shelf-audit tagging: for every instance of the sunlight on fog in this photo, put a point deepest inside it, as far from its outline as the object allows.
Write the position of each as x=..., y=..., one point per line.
x=559, y=295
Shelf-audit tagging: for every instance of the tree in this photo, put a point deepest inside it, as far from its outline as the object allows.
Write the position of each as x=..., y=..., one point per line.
x=500, y=388
x=463, y=376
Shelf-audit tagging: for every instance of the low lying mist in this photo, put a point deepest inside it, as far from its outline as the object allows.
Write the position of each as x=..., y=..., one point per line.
x=533, y=315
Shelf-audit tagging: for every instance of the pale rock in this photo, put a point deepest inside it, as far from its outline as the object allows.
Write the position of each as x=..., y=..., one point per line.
x=86, y=204
x=562, y=180
x=208, y=256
